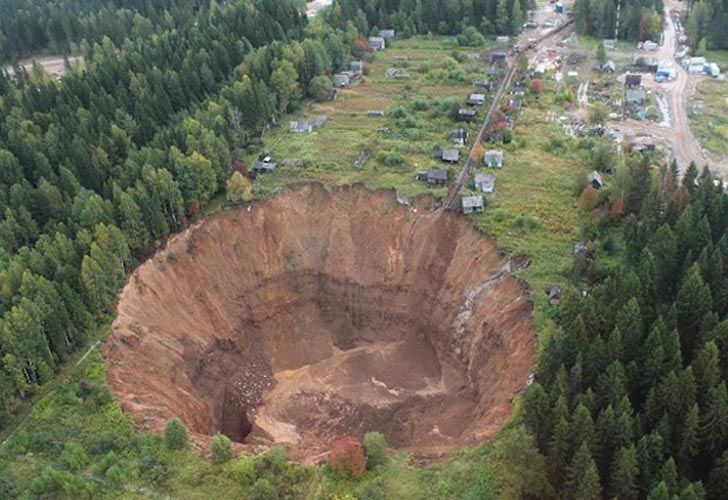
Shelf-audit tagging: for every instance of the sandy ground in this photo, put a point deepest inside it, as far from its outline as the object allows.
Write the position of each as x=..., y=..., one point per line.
x=53, y=65
x=316, y=315
x=313, y=7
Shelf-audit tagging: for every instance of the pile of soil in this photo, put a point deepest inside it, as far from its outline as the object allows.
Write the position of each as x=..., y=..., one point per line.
x=318, y=314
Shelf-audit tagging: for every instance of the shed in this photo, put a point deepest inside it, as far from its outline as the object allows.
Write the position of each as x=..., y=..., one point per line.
x=356, y=67
x=482, y=84
x=437, y=176
x=559, y=7
x=555, y=293
x=466, y=115
x=608, y=67
x=502, y=40
x=497, y=57
x=650, y=45
x=595, y=179
x=387, y=34
x=493, y=158
x=451, y=155
x=264, y=164
x=459, y=136
x=473, y=204
x=476, y=99
x=493, y=71
x=341, y=80
x=609, y=43
x=714, y=70
x=632, y=80
x=485, y=183
x=377, y=43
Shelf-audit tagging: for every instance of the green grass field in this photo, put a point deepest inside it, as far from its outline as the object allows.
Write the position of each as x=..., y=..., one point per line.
x=710, y=124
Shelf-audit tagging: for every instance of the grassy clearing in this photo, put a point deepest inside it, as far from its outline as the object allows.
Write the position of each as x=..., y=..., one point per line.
x=710, y=124
x=718, y=56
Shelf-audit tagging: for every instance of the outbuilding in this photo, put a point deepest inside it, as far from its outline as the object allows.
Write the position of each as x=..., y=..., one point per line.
x=341, y=80
x=377, y=43
x=473, y=204
x=493, y=158
x=451, y=155
x=497, y=57
x=437, y=176
x=459, y=136
x=485, y=183
x=264, y=164
x=595, y=180
x=476, y=99
x=466, y=115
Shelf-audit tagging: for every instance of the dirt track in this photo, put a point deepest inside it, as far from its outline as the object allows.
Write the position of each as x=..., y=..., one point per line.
x=316, y=315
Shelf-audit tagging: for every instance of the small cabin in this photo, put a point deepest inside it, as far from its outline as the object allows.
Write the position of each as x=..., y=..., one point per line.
x=485, y=183
x=498, y=57
x=459, y=136
x=342, y=80
x=387, y=34
x=476, y=99
x=264, y=164
x=632, y=80
x=436, y=176
x=473, y=204
x=493, y=158
x=466, y=115
x=377, y=43
x=356, y=67
x=595, y=180
x=451, y=155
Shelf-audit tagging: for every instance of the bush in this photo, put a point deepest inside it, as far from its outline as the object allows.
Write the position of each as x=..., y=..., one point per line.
x=175, y=434
x=263, y=490
x=347, y=457
x=507, y=136
x=375, y=447
x=220, y=448
x=394, y=159
x=420, y=104
x=74, y=456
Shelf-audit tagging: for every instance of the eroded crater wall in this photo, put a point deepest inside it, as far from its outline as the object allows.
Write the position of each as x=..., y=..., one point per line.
x=320, y=313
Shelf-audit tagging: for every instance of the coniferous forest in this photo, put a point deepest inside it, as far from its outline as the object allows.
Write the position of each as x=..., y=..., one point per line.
x=630, y=397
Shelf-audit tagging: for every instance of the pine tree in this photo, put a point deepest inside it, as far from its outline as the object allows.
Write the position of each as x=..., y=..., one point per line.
x=582, y=481
x=693, y=303
x=718, y=478
x=175, y=434
x=714, y=422
x=623, y=474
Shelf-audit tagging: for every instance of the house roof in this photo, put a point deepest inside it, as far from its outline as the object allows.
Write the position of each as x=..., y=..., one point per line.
x=460, y=133
x=595, y=177
x=466, y=111
x=635, y=95
x=437, y=174
x=451, y=155
x=494, y=154
x=472, y=201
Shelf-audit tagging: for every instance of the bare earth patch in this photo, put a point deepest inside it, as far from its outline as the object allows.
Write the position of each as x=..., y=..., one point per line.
x=319, y=314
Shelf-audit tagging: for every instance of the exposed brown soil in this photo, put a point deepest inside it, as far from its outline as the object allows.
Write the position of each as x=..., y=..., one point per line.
x=320, y=314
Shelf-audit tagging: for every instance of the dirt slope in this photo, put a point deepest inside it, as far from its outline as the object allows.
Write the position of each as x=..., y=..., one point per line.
x=315, y=315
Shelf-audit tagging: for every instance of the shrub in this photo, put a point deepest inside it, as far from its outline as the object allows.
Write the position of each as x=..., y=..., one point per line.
x=175, y=434
x=74, y=456
x=536, y=86
x=263, y=490
x=589, y=198
x=347, y=457
x=420, y=104
x=220, y=448
x=394, y=159
x=376, y=449
x=507, y=136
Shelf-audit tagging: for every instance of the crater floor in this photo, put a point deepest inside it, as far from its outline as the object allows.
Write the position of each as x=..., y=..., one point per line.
x=319, y=314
